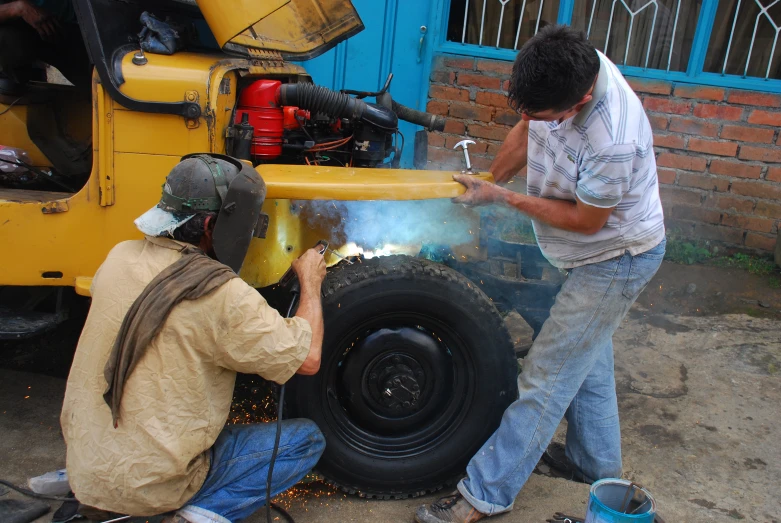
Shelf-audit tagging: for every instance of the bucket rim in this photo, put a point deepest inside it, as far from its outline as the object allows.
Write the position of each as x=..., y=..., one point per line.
x=624, y=483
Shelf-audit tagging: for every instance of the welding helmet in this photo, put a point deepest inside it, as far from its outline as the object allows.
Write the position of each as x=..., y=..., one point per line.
x=216, y=183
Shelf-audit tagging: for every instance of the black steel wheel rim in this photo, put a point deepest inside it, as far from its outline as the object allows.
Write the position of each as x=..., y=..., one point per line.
x=398, y=384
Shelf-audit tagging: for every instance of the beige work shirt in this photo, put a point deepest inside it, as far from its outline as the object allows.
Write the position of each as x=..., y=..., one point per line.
x=178, y=398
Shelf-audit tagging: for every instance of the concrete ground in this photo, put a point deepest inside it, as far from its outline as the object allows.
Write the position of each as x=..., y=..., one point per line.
x=698, y=364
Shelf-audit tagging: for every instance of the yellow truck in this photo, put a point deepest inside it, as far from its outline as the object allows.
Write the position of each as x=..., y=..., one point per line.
x=418, y=365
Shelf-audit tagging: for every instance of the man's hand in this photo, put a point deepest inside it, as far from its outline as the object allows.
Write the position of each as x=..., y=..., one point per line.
x=310, y=269
x=41, y=20
x=478, y=192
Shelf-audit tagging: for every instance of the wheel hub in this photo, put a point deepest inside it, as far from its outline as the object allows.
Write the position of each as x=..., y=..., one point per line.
x=394, y=380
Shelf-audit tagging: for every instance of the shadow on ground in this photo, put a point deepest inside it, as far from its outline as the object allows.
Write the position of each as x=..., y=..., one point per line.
x=697, y=364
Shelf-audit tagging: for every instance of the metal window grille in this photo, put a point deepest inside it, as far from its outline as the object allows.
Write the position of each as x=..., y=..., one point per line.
x=763, y=14
x=732, y=43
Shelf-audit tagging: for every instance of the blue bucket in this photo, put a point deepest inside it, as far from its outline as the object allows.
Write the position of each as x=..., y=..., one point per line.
x=619, y=501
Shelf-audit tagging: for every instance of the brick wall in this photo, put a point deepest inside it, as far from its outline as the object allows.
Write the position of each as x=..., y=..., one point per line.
x=718, y=150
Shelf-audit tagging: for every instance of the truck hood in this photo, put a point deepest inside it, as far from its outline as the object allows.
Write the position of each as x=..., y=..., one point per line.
x=297, y=29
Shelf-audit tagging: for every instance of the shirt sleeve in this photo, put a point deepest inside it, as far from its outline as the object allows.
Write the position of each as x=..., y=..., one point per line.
x=604, y=177
x=258, y=340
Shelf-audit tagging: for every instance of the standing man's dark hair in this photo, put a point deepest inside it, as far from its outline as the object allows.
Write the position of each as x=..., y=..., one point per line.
x=553, y=70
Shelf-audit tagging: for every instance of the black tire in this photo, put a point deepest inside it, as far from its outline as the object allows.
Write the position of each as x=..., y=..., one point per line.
x=395, y=327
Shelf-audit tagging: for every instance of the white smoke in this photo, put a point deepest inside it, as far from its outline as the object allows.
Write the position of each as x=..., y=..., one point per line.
x=375, y=225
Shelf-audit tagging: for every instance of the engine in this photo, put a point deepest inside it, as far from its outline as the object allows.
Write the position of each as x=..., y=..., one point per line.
x=301, y=123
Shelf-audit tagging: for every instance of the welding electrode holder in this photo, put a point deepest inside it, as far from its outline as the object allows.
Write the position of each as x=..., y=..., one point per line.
x=289, y=280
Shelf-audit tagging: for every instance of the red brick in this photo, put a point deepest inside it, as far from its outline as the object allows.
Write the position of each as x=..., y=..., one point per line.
x=671, y=141
x=459, y=63
x=436, y=140
x=679, y=195
x=443, y=77
x=698, y=181
x=494, y=99
x=729, y=203
x=506, y=85
x=718, y=112
x=436, y=107
x=750, y=98
x=479, y=80
x=696, y=214
x=690, y=126
x=700, y=92
x=478, y=148
x=760, y=241
x=506, y=117
x=444, y=156
x=666, y=176
x=491, y=132
x=737, y=169
x=756, y=189
x=712, y=147
x=748, y=223
x=718, y=233
x=471, y=112
x=686, y=229
x=760, y=154
x=641, y=85
x=778, y=142
x=761, y=117
x=454, y=127
x=658, y=122
x=449, y=93
x=481, y=163
x=747, y=134
x=666, y=105
x=769, y=209
x=495, y=66
x=679, y=161
x=773, y=174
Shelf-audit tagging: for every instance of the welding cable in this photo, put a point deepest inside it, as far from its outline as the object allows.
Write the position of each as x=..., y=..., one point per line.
x=269, y=504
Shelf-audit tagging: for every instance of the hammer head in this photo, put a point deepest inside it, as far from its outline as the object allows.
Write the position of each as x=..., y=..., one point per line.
x=464, y=144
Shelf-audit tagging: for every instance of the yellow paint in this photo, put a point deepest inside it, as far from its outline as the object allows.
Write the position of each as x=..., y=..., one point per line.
x=227, y=18
x=133, y=152
x=288, y=26
x=305, y=182
x=82, y=286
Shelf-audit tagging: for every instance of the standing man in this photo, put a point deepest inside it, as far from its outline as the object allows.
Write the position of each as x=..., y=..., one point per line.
x=593, y=198
x=169, y=327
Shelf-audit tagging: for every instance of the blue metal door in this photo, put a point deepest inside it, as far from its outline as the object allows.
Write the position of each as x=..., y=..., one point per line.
x=394, y=41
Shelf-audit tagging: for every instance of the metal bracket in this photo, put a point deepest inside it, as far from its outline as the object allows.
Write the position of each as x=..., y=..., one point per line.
x=263, y=58
x=192, y=97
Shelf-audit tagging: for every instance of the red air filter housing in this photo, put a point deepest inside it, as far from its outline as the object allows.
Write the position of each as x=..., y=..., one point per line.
x=259, y=101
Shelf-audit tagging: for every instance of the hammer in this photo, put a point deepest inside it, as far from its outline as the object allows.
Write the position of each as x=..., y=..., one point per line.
x=464, y=144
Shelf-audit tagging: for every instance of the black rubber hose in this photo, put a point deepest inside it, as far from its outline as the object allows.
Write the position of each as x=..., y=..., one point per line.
x=319, y=99
x=431, y=122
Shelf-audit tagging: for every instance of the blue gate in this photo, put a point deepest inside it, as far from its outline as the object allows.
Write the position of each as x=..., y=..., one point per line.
x=394, y=41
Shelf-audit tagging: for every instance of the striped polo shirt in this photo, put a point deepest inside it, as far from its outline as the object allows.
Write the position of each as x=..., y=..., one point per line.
x=604, y=157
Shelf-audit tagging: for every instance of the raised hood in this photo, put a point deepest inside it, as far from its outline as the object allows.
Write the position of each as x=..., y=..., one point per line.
x=298, y=29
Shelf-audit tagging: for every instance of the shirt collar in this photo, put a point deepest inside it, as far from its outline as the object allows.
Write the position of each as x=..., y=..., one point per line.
x=600, y=89
x=168, y=243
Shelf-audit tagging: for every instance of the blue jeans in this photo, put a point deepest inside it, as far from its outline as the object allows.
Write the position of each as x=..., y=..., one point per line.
x=569, y=371
x=235, y=487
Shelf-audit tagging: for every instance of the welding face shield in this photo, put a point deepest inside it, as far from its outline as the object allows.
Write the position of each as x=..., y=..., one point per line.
x=216, y=183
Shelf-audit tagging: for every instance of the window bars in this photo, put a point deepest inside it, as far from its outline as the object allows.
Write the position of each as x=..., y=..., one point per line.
x=763, y=11
x=501, y=20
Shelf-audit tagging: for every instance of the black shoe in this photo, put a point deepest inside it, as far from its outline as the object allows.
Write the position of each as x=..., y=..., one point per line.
x=555, y=456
